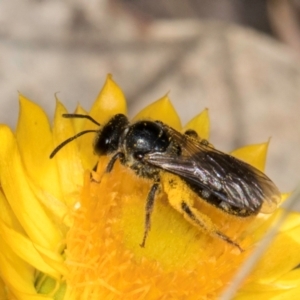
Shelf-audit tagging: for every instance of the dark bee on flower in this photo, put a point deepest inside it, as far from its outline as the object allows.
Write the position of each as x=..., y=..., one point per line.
x=152, y=148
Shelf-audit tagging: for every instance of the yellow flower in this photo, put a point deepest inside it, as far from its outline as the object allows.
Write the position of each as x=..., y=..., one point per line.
x=70, y=233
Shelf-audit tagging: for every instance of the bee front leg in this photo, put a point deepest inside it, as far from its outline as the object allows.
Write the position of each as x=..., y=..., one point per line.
x=149, y=210
x=111, y=163
x=93, y=174
x=109, y=167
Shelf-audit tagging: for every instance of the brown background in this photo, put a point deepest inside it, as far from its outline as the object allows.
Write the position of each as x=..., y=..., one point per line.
x=238, y=58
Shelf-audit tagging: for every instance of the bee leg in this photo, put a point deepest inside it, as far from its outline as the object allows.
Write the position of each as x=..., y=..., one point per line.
x=149, y=209
x=95, y=167
x=109, y=166
x=192, y=133
x=200, y=220
x=92, y=173
x=111, y=163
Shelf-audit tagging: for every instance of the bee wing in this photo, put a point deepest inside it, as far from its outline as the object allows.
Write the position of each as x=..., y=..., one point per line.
x=226, y=177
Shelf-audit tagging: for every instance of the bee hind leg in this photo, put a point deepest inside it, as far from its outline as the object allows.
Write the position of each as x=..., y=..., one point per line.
x=205, y=224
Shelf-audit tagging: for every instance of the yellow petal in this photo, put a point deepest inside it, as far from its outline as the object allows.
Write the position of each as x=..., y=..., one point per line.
x=14, y=271
x=27, y=296
x=260, y=288
x=53, y=259
x=285, y=287
x=109, y=102
x=163, y=110
x=281, y=257
x=25, y=249
x=78, y=123
x=22, y=200
x=7, y=216
x=22, y=247
x=254, y=155
x=58, y=210
x=285, y=196
x=274, y=295
x=289, y=281
x=264, y=222
x=292, y=222
x=200, y=124
x=35, y=142
x=3, y=294
x=68, y=158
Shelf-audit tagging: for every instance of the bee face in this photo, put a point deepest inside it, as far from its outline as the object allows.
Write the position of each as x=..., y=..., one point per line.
x=108, y=138
x=152, y=148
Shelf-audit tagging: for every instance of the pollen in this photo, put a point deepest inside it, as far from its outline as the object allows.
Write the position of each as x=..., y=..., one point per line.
x=105, y=259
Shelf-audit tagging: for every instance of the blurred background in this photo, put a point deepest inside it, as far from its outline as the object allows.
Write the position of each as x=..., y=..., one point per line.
x=238, y=58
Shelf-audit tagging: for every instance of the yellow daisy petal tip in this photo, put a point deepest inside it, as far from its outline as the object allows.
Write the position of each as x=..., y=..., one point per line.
x=32, y=120
x=162, y=109
x=255, y=155
x=79, y=123
x=67, y=159
x=110, y=101
x=56, y=96
x=35, y=142
x=201, y=124
x=80, y=110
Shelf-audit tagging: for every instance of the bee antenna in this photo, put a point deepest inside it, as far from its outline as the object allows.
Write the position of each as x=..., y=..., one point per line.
x=81, y=116
x=70, y=140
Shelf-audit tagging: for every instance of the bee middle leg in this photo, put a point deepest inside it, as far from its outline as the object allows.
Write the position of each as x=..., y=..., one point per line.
x=149, y=210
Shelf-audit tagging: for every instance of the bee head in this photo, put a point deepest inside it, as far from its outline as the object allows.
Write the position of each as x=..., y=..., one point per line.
x=107, y=140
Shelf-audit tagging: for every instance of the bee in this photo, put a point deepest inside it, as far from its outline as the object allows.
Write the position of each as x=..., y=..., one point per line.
x=152, y=148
